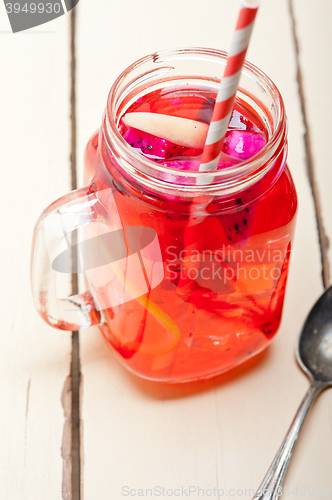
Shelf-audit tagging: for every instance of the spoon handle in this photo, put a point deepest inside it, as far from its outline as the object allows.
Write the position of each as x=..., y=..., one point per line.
x=271, y=486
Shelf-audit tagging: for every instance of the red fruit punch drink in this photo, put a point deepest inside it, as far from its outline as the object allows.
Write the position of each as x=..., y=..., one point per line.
x=220, y=300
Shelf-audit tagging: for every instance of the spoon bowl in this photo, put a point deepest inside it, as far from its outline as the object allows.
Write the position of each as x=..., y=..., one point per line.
x=314, y=351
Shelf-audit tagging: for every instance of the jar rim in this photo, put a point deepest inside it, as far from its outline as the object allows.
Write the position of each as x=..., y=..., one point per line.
x=145, y=170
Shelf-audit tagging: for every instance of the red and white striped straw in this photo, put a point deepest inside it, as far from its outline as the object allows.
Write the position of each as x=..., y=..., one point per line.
x=217, y=130
x=229, y=84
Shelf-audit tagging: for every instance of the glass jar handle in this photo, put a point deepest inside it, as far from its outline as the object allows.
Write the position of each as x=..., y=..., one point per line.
x=52, y=255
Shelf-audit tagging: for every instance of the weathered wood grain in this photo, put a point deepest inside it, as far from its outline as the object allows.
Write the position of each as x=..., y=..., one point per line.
x=314, y=36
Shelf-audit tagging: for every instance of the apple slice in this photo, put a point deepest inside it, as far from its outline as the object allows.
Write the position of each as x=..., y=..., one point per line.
x=181, y=131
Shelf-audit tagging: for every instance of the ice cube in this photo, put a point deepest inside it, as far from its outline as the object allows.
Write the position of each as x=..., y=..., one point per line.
x=243, y=145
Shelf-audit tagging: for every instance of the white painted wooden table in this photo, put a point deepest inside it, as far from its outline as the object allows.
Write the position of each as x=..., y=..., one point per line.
x=222, y=433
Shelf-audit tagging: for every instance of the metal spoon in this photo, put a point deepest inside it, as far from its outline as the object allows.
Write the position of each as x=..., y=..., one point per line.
x=314, y=354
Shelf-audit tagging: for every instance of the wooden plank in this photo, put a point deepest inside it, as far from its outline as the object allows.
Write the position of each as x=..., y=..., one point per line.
x=224, y=432
x=34, y=359
x=314, y=38
x=312, y=24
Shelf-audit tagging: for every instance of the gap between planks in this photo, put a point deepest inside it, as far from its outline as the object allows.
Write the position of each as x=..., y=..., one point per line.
x=71, y=446
x=310, y=163
x=75, y=364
